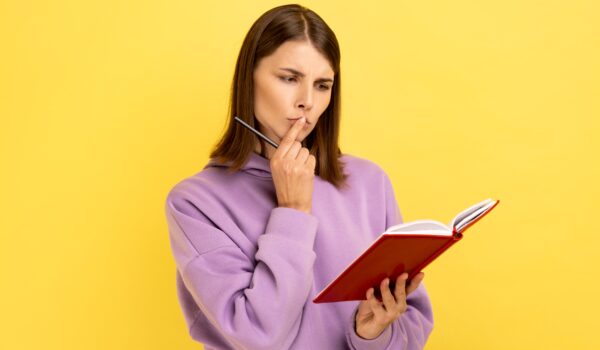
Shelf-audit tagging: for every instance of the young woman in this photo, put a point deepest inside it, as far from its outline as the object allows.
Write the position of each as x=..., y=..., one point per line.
x=259, y=231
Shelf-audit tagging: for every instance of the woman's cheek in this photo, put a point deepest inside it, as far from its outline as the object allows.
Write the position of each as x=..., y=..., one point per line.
x=323, y=104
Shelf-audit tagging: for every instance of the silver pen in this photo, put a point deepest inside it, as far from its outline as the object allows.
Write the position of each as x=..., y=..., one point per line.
x=258, y=133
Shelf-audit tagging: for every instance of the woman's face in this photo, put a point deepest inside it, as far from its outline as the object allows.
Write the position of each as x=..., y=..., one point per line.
x=295, y=81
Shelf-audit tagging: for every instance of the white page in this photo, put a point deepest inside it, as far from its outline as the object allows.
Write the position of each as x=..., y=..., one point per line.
x=421, y=227
x=467, y=212
x=465, y=222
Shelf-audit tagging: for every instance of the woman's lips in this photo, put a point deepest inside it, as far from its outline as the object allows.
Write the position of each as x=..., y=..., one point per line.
x=294, y=119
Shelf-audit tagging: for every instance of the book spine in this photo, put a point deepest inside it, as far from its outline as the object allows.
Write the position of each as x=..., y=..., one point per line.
x=456, y=236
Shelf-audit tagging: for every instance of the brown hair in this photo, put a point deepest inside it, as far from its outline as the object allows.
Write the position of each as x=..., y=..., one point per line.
x=273, y=28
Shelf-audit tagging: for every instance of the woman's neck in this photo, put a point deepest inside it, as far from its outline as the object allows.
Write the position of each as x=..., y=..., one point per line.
x=266, y=151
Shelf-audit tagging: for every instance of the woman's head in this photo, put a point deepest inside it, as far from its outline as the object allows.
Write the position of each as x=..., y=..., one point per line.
x=288, y=66
x=294, y=81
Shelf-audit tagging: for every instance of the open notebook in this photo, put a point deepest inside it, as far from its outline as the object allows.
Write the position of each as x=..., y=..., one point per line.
x=405, y=247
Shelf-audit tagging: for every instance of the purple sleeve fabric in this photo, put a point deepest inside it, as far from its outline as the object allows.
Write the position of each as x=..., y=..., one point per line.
x=254, y=304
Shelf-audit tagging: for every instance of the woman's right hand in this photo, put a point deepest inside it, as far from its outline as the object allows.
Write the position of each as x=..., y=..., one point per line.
x=293, y=171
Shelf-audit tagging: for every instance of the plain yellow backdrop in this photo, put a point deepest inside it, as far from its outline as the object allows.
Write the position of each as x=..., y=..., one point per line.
x=105, y=105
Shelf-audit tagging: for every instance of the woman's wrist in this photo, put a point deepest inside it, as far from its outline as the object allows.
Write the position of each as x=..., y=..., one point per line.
x=297, y=207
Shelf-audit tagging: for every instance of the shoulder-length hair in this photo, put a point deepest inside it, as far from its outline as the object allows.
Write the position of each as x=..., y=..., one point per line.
x=273, y=28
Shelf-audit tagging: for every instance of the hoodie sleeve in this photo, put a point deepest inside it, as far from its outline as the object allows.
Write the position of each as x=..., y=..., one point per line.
x=255, y=304
x=411, y=330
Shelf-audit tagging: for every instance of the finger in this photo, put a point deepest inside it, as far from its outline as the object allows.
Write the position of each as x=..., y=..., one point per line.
x=376, y=306
x=311, y=161
x=303, y=155
x=388, y=299
x=291, y=135
x=414, y=283
x=292, y=151
x=400, y=290
x=363, y=306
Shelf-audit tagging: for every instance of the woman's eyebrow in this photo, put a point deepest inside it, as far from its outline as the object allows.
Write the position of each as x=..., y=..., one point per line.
x=320, y=80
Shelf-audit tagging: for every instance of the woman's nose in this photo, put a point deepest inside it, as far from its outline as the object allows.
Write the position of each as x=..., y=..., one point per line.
x=305, y=98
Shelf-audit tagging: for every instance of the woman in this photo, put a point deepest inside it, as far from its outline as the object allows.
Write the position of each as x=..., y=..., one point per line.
x=256, y=235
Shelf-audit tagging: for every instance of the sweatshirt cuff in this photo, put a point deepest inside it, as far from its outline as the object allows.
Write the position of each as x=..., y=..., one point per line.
x=294, y=225
x=358, y=343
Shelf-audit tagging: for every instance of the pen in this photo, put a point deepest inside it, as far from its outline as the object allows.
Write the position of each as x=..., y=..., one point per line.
x=256, y=132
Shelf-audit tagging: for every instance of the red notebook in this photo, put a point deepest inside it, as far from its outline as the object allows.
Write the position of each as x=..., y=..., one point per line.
x=405, y=247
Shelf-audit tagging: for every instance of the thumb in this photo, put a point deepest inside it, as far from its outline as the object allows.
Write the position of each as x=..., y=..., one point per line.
x=363, y=305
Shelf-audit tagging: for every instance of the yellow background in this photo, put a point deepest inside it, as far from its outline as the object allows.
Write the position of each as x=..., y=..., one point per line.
x=105, y=105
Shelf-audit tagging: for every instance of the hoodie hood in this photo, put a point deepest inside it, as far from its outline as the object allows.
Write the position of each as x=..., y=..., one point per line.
x=256, y=165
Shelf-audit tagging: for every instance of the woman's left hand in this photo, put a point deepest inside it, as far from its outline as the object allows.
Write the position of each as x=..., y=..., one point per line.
x=374, y=316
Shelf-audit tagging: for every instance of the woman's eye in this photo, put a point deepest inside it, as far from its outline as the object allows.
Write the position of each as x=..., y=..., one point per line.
x=288, y=79
x=322, y=87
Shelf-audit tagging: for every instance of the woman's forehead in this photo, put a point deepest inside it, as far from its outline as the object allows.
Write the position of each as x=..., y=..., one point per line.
x=301, y=56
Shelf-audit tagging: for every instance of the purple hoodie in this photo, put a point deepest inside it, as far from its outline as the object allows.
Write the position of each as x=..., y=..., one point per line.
x=247, y=270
